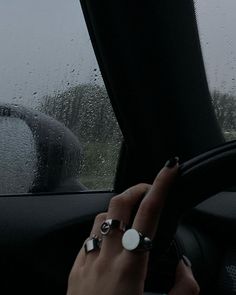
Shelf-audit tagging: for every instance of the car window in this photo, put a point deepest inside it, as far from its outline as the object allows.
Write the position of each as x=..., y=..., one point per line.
x=216, y=22
x=58, y=129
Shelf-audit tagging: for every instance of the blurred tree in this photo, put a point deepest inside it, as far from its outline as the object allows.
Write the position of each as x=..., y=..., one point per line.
x=82, y=108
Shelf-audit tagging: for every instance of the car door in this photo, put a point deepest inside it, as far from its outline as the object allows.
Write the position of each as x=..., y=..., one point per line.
x=151, y=64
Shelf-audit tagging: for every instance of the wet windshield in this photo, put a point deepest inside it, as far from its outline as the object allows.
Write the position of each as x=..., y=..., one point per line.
x=50, y=77
x=216, y=22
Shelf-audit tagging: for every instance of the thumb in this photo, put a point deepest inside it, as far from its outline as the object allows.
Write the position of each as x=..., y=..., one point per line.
x=185, y=283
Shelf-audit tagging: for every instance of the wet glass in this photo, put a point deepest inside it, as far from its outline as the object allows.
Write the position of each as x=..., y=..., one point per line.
x=216, y=23
x=58, y=129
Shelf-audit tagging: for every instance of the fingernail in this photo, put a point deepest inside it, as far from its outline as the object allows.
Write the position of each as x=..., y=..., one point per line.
x=172, y=162
x=186, y=261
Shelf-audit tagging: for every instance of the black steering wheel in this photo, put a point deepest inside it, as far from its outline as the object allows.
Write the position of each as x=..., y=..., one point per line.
x=198, y=179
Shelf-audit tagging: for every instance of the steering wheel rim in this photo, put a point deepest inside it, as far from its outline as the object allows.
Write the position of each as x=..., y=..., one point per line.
x=198, y=179
x=201, y=177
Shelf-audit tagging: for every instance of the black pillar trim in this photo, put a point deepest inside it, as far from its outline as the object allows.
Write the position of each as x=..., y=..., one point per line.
x=150, y=58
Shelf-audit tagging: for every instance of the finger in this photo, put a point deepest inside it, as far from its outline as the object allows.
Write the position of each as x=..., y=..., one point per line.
x=185, y=283
x=91, y=256
x=121, y=208
x=147, y=217
x=82, y=255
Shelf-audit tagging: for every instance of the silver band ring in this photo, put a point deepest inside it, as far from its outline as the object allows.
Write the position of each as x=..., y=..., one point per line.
x=133, y=240
x=92, y=244
x=111, y=224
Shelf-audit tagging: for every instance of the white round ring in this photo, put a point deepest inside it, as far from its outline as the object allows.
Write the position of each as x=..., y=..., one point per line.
x=134, y=240
x=131, y=239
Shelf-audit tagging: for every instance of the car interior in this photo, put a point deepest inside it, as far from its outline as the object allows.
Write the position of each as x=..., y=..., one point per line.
x=151, y=61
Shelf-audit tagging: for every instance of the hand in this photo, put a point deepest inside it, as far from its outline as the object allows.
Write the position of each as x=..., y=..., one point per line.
x=113, y=270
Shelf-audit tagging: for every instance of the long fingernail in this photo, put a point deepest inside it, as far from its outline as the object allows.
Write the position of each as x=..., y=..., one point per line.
x=186, y=261
x=172, y=162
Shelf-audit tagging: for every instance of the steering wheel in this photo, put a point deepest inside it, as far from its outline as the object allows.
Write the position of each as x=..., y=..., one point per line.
x=199, y=178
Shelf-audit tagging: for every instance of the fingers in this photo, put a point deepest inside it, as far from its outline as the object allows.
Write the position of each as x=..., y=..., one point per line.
x=185, y=283
x=82, y=257
x=96, y=231
x=121, y=208
x=122, y=205
x=147, y=217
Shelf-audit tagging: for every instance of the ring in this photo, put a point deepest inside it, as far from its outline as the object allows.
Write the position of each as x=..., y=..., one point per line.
x=110, y=224
x=133, y=240
x=92, y=244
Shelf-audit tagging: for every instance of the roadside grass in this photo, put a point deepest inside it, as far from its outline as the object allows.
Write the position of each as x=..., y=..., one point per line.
x=99, y=163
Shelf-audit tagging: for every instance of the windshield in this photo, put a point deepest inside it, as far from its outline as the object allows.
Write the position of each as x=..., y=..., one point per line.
x=216, y=22
x=58, y=130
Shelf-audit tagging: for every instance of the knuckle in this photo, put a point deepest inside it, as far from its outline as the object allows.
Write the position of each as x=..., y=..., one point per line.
x=143, y=186
x=117, y=201
x=192, y=286
x=100, y=217
x=136, y=189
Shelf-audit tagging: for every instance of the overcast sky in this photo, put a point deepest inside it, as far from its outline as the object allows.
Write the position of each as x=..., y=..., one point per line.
x=217, y=27
x=45, y=47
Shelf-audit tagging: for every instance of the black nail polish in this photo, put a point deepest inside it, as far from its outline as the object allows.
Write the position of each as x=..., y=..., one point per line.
x=186, y=261
x=172, y=162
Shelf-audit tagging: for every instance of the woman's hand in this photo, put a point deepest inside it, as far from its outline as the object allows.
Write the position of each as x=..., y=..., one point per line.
x=113, y=270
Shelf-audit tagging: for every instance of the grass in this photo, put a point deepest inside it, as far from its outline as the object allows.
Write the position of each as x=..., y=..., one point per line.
x=99, y=164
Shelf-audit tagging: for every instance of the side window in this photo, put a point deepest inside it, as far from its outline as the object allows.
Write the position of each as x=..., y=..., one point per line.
x=216, y=22
x=58, y=129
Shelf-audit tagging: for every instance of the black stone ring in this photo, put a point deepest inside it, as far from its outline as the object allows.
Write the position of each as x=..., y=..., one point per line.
x=92, y=244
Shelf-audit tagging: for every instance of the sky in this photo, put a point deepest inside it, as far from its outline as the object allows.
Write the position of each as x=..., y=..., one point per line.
x=217, y=29
x=45, y=47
